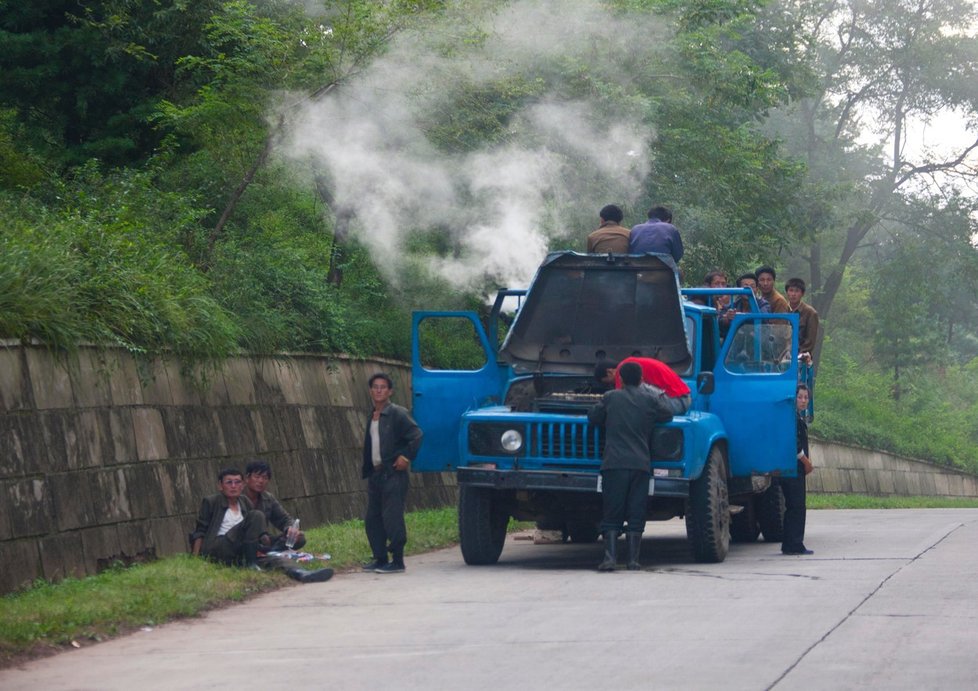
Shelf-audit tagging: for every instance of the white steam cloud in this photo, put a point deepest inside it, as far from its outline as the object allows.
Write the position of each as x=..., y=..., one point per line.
x=499, y=207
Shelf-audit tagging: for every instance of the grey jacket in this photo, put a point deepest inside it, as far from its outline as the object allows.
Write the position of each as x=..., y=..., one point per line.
x=399, y=436
x=628, y=415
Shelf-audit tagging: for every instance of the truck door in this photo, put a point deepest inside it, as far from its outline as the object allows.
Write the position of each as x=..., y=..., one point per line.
x=756, y=377
x=453, y=368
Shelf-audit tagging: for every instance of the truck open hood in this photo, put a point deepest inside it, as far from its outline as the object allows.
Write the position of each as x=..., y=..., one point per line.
x=582, y=308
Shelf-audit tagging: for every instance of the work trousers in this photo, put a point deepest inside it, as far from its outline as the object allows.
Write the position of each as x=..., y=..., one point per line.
x=625, y=495
x=793, y=489
x=228, y=548
x=384, y=522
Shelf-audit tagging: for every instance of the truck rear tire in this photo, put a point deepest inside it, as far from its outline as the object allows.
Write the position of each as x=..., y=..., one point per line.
x=770, y=513
x=708, y=518
x=743, y=525
x=481, y=526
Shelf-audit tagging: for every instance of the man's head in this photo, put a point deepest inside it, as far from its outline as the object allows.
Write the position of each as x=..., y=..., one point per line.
x=256, y=477
x=747, y=281
x=631, y=374
x=660, y=213
x=604, y=372
x=802, y=395
x=794, y=289
x=765, y=279
x=611, y=213
x=230, y=483
x=381, y=388
x=715, y=279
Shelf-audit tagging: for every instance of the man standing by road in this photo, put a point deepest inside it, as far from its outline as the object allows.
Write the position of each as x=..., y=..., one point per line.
x=610, y=235
x=658, y=235
x=391, y=441
x=793, y=488
x=628, y=415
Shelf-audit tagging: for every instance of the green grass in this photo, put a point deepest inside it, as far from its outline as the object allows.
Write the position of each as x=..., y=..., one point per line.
x=864, y=501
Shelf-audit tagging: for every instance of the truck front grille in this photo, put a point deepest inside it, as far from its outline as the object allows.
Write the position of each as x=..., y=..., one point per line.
x=565, y=441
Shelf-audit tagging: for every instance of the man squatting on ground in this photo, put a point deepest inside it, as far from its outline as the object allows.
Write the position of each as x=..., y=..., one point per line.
x=230, y=530
x=391, y=441
x=628, y=415
x=672, y=391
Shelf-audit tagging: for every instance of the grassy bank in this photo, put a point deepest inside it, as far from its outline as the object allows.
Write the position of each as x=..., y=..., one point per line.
x=49, y=617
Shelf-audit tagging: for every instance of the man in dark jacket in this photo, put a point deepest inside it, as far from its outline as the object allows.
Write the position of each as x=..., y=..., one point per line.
x=228, y=527
x=391, y=441
x=793, y=488
x=257, y=476
x=628, y=415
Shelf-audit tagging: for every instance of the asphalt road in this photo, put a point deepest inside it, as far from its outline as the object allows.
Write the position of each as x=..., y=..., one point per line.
x=889, y=601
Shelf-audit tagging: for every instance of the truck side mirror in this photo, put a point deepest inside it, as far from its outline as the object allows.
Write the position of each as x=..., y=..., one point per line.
x=704, y=383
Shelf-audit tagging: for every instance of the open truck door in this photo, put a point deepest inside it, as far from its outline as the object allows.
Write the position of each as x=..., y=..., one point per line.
x=467, y=375
x=756, y=377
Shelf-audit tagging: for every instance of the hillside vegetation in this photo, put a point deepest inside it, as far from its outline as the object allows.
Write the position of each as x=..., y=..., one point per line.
x=210, y=177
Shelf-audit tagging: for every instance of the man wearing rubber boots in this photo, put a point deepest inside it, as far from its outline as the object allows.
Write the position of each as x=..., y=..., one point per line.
x=628, y=415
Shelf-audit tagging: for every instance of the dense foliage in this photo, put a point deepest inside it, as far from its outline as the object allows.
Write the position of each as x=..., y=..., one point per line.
x=208, y=176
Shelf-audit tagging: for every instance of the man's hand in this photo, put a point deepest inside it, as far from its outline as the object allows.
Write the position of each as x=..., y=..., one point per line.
x=806, y=463
x=402, y=463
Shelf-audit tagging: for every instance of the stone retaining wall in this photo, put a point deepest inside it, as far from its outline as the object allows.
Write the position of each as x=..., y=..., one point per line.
x=103, y=460
x=843, y=469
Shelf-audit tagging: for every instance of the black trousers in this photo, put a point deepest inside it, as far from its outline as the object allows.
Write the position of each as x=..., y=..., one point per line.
x=793, y=489
x=625, y=495
x=229, y=547
x=386, y=532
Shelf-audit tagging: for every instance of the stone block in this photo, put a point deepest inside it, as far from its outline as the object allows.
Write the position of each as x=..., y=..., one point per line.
x=205, y=438
x=170, y=534
x=50, y=381
x=340, y=385
x=187, y=488
x=313, y=373
x=124, y=385
x=887, y=482
x=212, y=387
x=290, y=381
x=912, y=484
x=111, y=493
x=136, y=543
x=291, y=427
x=91, y=377
x=99, y=546
x=311, y=467
x=21, y=564
x=72, y=499
x=154, y=382
x=147, y=494
x=12, y=461
x=240, y=438
x=261, y=438
x=93, y=439
x=176, y=429
x=267, y=428
x=312, y=428
x=857, y=481
x=29, y=508
x=62, y=556
x=928, y=487
x=239, y=379
x=6, y=529
x=15, y=385
x=150, y=436
x=267, y=388
x=123, y=435
x=184, y=391
x=287, y=477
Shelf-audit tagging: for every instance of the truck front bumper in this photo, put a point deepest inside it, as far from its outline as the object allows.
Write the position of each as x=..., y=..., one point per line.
x=550, y=480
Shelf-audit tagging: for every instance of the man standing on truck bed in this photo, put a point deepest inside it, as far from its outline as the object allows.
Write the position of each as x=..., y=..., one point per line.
x=666, y=384
x=628, y=415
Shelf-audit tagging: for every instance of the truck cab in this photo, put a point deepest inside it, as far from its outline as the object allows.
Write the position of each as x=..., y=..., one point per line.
x=512, y=422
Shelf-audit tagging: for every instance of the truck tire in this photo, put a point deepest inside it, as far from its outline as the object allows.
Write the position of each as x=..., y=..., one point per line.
x=583, y=532
x=770, y=513
x=708, y=517
x=481, y=526
x=743, y=525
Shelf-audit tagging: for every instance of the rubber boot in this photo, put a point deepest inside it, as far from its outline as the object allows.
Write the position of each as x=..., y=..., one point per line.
x=634, y=548
x=304, y=576
x=610, y=551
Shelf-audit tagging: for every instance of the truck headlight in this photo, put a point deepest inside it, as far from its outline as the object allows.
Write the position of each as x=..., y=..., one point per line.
x=511, y=440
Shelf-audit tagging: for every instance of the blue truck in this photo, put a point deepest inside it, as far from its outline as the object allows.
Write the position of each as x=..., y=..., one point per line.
x=511, y=419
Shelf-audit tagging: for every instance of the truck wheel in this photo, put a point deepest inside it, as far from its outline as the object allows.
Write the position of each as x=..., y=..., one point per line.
x=743, y=525
x=583, y=532
x=481, y=526
x=708, y=518
x=770, y=513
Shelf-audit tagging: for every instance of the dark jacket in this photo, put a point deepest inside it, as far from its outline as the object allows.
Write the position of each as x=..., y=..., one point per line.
x=211, y=515
x=399, y=436
x=275, y=513
x=628, y=415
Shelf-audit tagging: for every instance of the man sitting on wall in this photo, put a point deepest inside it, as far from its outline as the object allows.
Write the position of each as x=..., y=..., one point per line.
x=230, y=530
x=257, y=475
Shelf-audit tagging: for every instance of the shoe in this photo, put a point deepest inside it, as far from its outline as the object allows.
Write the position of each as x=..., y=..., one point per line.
x=304, y=576
x=796, y=552
x=634, y=549
x=373, y=565
x=610, y=551
x=390, y=567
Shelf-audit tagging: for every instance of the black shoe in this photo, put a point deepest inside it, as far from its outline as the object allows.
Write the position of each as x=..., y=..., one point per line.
x=390, y=567
x=373, y=565
x=796, y=552
x=304, y=576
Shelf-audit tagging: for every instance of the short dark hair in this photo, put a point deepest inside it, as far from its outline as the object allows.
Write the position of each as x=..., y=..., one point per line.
x=661, y=213
x=381, y=375
x=631, y=373
x=713, y=274
x=225, y=472
x=795, y=283
x=612, y=212
x=803, y=387
x=601, y=369
x=740, y=279
x=764, y=270
x=257, y=467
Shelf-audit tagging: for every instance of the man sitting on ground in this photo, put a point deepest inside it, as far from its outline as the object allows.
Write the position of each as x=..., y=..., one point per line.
x=257, y=475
